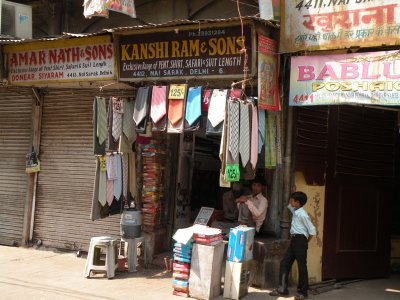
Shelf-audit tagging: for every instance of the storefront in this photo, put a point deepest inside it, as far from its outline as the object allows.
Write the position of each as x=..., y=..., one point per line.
x=189, y=72
x=68, y=74
x=15, y=143
x=346, y=108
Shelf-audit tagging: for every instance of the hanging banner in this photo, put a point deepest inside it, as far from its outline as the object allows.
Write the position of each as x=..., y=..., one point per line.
x=270, y=9
x=101, y=8
x=78, y=59
x=364, y=78
x=126, y=7
x=268, y=69
x=335, y=24
x=213, y=52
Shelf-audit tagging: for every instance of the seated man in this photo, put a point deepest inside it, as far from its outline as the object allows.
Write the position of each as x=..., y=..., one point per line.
x=229, y=201
x=253, y=208
x=230, y=207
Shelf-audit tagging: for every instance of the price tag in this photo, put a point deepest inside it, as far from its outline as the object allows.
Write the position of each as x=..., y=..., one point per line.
x=102, y=161
x=232, y=172
x=177, y=91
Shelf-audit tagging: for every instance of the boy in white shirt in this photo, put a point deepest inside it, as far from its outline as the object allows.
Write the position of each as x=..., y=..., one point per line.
x=301, y=232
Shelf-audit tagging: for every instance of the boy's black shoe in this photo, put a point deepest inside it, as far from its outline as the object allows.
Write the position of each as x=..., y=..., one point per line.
x=300, y=296
x=276, y=292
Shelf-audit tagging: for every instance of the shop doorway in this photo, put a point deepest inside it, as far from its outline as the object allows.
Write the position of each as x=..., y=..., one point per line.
x=360, y=192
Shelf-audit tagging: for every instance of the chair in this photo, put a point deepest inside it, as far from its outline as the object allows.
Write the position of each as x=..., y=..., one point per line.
x=94, y=262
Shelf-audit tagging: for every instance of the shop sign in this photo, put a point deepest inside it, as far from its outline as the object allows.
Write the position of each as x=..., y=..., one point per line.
x=212, y=52
x=363, y=78
x=335, y=24
x=78, y=59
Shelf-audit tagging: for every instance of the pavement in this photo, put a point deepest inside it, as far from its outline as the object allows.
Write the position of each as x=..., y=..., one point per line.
x=28, y=273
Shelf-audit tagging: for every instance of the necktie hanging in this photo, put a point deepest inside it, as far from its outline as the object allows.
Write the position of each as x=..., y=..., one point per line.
x=270, y=139
x=234, y=126
x=117, y=105
x=158, y=110
x=193, y=105
x=176, y=107
x=102, y=194
x=216, y=112
x=205, y=101
x=112, y=144
x=118, y=177
x=98, y=149
x=254, y=136
x=244, y=146
x=141, y=108
x=101, y=119
x=128, y=125
x=261, y=129
x=158, y=103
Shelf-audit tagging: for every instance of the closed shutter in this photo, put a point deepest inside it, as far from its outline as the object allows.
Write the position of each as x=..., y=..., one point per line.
x=15, y=143
x=65, y=183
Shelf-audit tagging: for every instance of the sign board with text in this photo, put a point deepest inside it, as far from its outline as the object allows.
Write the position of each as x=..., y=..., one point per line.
x=335, y=24
x=209, y=52
x=363, y=78
x=78, y=59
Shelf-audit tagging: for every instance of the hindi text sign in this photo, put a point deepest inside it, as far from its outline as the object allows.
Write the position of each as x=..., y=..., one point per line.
x=335, y=24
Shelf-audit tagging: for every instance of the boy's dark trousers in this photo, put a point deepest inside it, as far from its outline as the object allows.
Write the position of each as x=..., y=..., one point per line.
x=297, y=251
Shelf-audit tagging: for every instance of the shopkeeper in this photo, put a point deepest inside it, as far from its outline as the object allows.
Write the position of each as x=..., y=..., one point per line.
x=253, y=208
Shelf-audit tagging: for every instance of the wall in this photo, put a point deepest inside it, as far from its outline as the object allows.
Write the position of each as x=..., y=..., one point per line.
x=315, y=208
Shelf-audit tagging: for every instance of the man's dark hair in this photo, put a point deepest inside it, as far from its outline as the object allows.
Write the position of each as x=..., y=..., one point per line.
x=259, y=179
x=299, y=196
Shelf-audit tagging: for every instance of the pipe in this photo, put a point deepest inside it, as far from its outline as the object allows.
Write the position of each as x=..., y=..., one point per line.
x=33, y=207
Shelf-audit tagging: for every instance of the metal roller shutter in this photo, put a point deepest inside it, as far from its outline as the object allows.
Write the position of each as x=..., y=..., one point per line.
x=15, y=143
x=65, y=183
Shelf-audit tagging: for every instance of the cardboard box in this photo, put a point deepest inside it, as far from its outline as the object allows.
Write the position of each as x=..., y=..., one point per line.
x=236, y=280
x=205, y=271
x=240, y=245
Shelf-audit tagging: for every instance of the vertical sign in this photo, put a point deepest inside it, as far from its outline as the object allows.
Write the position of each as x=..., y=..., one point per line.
x=268, y=88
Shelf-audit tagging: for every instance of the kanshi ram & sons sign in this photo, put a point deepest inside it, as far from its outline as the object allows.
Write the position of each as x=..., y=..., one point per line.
x=209, y=52
x=77, y=59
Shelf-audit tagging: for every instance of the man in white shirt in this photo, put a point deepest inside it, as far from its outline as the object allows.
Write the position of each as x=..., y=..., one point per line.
x=253, y=208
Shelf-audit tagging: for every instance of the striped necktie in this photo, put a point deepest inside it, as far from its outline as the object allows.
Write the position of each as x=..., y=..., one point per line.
x=158, y=103
x=254, y=137
x=244, y=146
